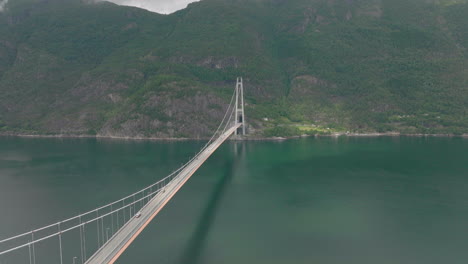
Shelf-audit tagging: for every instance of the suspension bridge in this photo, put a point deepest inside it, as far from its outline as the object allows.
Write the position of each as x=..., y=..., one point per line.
x=101, y=235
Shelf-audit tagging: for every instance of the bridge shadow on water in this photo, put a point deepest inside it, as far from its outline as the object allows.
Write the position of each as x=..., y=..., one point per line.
x=196, y=243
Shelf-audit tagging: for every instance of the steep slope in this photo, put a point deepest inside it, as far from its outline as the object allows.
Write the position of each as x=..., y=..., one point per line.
x=70, y=67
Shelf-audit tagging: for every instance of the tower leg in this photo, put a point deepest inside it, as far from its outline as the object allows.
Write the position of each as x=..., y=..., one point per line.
x=239, y=112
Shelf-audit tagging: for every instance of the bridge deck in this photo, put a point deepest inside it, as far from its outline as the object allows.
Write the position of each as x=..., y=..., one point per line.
x=116, y=245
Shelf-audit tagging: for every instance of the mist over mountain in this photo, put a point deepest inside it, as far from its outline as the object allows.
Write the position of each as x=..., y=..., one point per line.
x=2, y=4
x=158, y=6
x=309, y=66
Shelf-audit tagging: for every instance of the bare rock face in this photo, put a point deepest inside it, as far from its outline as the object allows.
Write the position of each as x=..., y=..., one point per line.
x=7, y=51
x=168, y=114
x=306, y=86
x=97, y=89
x=219, y=63
x=372, y=9
x=211, y=62
x=115, y=98
x=349, y=15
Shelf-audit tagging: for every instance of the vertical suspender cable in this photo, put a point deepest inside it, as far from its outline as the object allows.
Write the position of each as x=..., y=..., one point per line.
x=112, y=220
x=81, y=240
x=142, y=199
x=60, y=243
x=123, y=212
x=30, y=255
x=84, y=241
x=151, y=194
x=33, y=247
x=97, y=224
x=134, y=205
x=118, y=225
x=102, y=230
x=130, y=211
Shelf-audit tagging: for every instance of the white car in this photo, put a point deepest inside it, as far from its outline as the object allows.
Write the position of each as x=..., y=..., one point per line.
x=138, y=214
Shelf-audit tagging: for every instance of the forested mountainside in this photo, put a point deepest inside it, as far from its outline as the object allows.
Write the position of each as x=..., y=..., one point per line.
x=309, y=66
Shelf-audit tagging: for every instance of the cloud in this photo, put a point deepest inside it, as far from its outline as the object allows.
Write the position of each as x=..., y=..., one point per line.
x=158, y=6
x=2, y=4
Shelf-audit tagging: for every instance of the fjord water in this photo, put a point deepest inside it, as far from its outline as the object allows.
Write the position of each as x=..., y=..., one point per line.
x=315, y=200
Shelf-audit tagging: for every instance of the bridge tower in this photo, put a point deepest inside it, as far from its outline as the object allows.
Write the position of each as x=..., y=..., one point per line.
x=239, y=111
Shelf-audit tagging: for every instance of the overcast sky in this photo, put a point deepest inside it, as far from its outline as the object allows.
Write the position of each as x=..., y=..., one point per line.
x=159, y=6
x=2, y=4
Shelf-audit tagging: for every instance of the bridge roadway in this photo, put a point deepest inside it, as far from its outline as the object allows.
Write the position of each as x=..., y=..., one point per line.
x=119, y=242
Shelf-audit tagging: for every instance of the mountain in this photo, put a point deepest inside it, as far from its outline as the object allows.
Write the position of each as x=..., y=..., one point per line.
x=309, y=66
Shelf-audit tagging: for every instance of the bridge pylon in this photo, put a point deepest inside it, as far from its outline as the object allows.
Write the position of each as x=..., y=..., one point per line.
x=239, y=111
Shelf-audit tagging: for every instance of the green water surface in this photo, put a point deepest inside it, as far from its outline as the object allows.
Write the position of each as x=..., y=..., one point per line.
x=325, y=200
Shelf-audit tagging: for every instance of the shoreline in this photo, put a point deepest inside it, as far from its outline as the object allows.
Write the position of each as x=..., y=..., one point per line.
x=253, y=138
